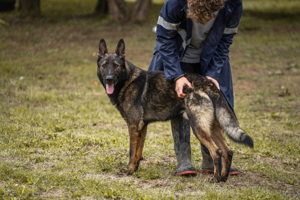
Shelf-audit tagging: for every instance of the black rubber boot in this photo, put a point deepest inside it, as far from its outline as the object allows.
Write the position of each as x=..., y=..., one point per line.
x=208, y=163
x=184, y=166
x=181, y=136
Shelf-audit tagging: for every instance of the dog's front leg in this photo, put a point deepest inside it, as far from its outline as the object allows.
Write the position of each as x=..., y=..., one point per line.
x=134, y=139
x=140, y=145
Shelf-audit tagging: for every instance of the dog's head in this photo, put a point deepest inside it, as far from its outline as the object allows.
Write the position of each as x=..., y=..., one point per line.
x=111, y=66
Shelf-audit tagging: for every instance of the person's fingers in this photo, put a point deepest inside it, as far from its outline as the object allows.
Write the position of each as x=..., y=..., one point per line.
x=189, y=84
x=177, y=91
x=180, y=93
x=217, y=84
x=180, y=83
x=186, y=82
x=214, y=81
x=180, y=89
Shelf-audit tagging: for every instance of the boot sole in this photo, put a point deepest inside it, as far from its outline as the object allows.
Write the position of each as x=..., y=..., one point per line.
x=209, y=171
x=187, y=173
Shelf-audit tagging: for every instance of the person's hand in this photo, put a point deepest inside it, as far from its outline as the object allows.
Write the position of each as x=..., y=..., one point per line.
x=180, y=83
x=214, y=81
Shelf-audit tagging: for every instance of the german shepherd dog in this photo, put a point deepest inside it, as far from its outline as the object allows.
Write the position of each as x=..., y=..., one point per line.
x=143, y=97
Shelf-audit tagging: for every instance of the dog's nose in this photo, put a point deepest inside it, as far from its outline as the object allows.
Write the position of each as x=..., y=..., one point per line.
x=109, y=77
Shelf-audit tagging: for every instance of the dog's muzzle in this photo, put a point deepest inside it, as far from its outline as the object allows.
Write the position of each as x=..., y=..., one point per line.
x=109, y=84
x=109, y=77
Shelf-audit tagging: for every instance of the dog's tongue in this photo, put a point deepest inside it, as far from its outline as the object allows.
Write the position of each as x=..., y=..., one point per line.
x=110, y=88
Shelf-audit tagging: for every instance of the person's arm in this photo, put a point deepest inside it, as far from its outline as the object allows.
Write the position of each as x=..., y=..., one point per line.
x=222, y=51
x=168, y=23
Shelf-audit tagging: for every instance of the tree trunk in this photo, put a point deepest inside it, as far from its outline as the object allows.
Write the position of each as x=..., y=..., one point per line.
x=102, y=7
x=141, y=10
x=117, y=9
x=30, y=7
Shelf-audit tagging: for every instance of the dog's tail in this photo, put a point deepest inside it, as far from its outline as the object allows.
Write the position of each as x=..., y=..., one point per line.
x=229, y=123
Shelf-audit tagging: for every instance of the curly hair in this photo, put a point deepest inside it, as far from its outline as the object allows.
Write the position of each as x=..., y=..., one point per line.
x=203, y=10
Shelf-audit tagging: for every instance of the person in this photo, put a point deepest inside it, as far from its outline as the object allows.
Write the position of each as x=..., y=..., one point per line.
x=194, y=36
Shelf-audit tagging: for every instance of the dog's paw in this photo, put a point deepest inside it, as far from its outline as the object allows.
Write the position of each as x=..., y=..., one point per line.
x=224, y=178
x=142, y=158
x=136, y=168
x=122, y=172
x=214, y=179
x=125, y=172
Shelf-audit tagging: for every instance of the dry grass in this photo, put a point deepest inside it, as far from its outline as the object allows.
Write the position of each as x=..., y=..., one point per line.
x=61, y=138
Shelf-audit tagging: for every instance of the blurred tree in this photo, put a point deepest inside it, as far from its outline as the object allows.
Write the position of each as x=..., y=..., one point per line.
x=141, y=10
x=30, y=7
x=118, y=9
x=102, y=6
x=7, y=5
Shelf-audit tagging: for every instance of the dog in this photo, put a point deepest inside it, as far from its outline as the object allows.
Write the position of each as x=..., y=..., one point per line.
x=143, y=97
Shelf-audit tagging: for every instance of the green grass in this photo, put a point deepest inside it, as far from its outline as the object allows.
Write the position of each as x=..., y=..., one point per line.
x=60, y=137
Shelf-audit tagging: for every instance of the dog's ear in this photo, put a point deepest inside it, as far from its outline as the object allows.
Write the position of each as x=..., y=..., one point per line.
x=102, y=48
x=120, y=51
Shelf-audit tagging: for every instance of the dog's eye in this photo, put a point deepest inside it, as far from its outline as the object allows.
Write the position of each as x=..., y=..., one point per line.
x=115, y=65
x=104, y=65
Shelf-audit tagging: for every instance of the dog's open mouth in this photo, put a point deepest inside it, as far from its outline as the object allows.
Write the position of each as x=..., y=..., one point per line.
x=110, y=88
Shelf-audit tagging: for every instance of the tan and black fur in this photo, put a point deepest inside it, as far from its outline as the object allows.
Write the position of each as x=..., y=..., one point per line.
x=143, y=97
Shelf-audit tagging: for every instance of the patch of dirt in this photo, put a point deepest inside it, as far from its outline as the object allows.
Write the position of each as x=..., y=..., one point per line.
x=287, y=29
x=254, y=178
x=52, y=194
x=271, y=161
x=161, y=162
x=129, y=179
x=244, y=85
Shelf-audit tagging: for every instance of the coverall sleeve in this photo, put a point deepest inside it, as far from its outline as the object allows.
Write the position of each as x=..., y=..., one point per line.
x=221, y=54
x=168, y=23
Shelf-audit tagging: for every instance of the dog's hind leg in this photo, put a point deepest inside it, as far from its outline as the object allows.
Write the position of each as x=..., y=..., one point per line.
x=200, y=111
x=219, y=139
x=215, y=152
